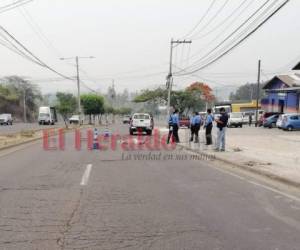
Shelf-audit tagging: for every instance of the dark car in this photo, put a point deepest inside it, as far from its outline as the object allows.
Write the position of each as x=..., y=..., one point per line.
x=270, y=122
x=184, y=121
x=265, y=116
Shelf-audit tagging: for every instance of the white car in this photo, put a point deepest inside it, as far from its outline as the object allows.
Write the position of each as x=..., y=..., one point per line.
x=74, y=119
x=141, y=122
x=6, y=119
x=236, y=119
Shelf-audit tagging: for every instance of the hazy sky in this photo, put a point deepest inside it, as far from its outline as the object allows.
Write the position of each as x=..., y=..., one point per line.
x=130, y=40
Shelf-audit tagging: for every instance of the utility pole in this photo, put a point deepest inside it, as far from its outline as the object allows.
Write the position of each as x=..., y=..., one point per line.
x=257, y=92
x=78, y=78
x=24, y=105
x=78, y=85
x=170, y=74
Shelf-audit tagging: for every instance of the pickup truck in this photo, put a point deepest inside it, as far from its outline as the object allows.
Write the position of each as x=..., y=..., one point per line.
x=6, y=119
x=236, y=119
x=141, y=122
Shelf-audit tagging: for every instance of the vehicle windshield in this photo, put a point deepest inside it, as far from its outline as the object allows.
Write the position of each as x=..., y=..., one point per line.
x=142, y=117
x=43, y=115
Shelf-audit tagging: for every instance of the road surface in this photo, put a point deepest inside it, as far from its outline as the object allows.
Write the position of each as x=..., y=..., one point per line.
x=103, y=200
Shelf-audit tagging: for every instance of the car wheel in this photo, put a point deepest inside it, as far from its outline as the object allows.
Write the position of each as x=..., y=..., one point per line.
x=149, y=132
x=290, y=128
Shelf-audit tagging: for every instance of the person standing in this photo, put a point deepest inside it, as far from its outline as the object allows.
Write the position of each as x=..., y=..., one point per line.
x=174, y=126
x=195, y=127
x=221, y=125
x=208, y=125
x=250, y=119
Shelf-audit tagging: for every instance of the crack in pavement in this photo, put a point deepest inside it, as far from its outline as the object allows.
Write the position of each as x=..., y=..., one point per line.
x=68, y=225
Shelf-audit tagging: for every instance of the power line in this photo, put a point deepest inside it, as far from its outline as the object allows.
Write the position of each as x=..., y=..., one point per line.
x=222, y=32
x=36, y=59
x=213, y=18
x=224, y=21
x=242, y=40
x=13, y=5
x=240, y=35
x=201, y=19
x=232, y=33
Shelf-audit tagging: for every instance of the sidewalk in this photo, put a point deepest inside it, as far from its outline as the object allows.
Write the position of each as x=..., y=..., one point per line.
x=271, y=152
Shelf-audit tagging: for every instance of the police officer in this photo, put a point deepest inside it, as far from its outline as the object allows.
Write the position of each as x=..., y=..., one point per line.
x=195, y=127
x=208, y=125
x=174, y=126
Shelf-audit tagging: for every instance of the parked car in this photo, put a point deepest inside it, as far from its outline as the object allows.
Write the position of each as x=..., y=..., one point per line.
x=247, y=114
x=235, y=119
x=291, y=122
x=281, y=118
x=141, y=122
x=6, y=119
x=74, y=119
x=184, y=122
x=126, y=119
x=270, y=122
x=264, y=117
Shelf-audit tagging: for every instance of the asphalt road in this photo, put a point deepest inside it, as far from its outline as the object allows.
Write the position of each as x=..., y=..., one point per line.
x=103, y=200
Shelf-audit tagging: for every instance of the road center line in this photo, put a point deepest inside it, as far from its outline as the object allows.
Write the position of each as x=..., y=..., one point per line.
x=86, y=175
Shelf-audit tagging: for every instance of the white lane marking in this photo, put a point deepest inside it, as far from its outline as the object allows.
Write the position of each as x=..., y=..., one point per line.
x=86, y=175
x=292, y=197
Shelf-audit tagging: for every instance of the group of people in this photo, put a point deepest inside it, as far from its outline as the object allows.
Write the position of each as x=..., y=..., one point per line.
x=196, y=122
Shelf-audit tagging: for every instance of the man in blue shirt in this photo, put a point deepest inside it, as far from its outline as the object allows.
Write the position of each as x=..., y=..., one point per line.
x=195, y=127
x=208, y=125
x=174, y=126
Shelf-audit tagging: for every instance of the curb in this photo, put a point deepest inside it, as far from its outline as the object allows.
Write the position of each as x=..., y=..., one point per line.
x=21, y=143
x=247, y=168
x=36, y=139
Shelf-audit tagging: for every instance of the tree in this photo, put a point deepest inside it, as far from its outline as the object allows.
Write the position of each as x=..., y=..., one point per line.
x=66, y=106
x=93, y=104
x=204, y=91
x=186, y=101
x=246, y=92
x=13, y=90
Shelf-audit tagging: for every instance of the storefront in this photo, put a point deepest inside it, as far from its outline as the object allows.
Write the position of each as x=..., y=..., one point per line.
x=282, y=95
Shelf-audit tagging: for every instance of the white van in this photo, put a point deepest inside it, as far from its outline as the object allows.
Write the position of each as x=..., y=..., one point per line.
x=47, y=115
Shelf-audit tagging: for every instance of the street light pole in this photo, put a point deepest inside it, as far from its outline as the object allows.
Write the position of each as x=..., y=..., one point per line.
x=170, y=74
x=78, y=77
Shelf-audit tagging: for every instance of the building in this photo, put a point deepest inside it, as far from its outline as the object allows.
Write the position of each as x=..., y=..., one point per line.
x=282, y=94
x=297, y=67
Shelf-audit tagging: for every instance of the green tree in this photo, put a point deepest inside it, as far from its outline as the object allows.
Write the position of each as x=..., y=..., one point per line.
x=66, y=105
x=93, y=104
x=246, y=92
x=13, y=90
